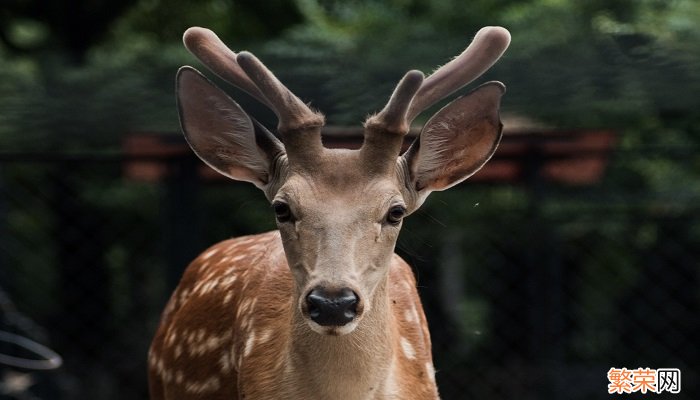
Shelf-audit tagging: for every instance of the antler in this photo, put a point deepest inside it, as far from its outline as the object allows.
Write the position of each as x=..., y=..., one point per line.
x=488, y=46
x=298, y=125
x=385, y=131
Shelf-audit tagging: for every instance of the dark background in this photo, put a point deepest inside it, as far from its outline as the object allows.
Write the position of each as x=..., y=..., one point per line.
x=535, y=280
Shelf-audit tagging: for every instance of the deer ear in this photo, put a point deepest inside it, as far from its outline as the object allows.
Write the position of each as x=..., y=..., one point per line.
x=457, y=141
x=221, y=133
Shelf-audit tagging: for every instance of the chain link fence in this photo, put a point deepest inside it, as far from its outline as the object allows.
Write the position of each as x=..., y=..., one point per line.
x=532, y=290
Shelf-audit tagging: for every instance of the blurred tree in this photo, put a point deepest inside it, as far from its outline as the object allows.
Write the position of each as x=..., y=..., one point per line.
x=28, y=27
x=600, y=63
x=71, y=27
x=71, y=68
x=244, y=20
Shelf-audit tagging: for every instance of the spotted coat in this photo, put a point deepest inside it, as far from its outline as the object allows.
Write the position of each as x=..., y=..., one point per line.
x=226, y=332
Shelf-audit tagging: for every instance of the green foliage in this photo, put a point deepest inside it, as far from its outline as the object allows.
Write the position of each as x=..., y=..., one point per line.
x=619, y=64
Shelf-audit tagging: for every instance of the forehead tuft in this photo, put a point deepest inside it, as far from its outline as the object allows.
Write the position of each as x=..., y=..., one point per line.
x=340, y=168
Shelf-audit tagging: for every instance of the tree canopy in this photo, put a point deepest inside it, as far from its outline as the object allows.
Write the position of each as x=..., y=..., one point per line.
x=70, y=68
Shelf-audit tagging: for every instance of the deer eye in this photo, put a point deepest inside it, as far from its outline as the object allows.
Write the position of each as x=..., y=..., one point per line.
x=282, y=211
x=396, y=214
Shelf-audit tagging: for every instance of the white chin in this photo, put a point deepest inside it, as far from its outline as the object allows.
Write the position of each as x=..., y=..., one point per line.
x=333, y=330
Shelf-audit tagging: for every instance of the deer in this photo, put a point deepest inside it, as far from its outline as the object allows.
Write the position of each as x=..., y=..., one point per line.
x=322, y=307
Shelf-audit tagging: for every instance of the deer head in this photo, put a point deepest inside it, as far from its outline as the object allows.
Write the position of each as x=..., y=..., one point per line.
x=339, y=211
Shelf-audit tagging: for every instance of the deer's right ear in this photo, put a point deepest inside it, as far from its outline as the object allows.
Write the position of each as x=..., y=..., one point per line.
x=221, y=133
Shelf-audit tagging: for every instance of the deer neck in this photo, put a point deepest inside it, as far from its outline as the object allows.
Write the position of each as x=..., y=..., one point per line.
x=356, y=365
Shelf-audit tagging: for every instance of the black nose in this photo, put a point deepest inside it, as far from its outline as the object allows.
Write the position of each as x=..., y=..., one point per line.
x=332, y=308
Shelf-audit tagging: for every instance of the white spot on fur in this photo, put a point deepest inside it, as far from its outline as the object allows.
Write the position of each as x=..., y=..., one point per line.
x=212, y=343
x=198, y=286
x=189, y=337
x=225, y=362
x=210, y=276
x=153, y=360
x=171, y=306
x=210, y=385
x=208, y=286
x=166, y=375
x=208, y=254
x=171, y=337
x=228, y=281
x=430, y=370
x=159, y=367
x=183, y=296
x=408, y=315
x=391, y=389
x=245, y=308
x=408, y=350
x=247, y=240
x=265, y=336
x=228, y=297
x=245, y=321
x=249, y=344
x=207, y=344
x=252, y=304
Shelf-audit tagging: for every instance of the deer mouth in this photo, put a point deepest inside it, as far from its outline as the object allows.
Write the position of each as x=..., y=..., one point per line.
x=333, y=330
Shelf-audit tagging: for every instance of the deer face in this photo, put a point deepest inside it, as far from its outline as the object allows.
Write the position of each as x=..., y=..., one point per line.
x=339, y=212
x=339, y=227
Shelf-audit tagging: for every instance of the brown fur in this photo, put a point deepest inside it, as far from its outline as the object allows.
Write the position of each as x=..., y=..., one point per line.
x=221, y=305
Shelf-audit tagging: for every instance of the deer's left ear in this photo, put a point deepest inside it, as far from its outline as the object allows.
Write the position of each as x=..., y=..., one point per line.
x=456, y=142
